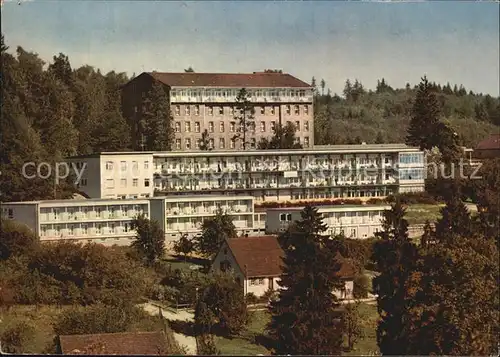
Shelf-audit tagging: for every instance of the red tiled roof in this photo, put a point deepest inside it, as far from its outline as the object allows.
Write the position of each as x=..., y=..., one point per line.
x=237, y=80
x=262, y=257
x=257, y=256
x=492, y=143
x=123, y=343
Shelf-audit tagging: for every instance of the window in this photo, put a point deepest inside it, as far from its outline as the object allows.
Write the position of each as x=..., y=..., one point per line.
x=210, y=110
x=221, y=143
x=177, y=127
x=253, y=143
x=297, y=110
x=283, y=217
x=123, y=182
x=211, y=143
x=353, y=232
x=272, y=110
x=178, y=144
x=146, y=182
x=197, y=144
x=10, y=213
x=273, y=125
x=231, y=110
x=306, y=109
x=306, y=141
x=221, y=111
x=196, y=110
x=306, y=126
x=188, y=143
x=221, y=126
x=83, y=182
x=177, y=110
x=297, y=125
x=262, y=110
x=135, y=182
x=123, y=165
x=211, y=127
x=135, y=165
x=232, y=144
x=187, y=125
x=288, y=109
x=262, y=126
x=197, y=127
x=257, y=281
x=187, y=110
x=109, y=165
x=232, y=127
x=110, y=183
x=146, y=165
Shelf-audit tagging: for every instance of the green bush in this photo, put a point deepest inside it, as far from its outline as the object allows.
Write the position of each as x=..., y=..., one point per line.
x=251, y=299
x=361, y=286
x=15, y=338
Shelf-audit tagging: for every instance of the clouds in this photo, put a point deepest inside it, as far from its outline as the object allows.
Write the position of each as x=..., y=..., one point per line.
x=450, y=42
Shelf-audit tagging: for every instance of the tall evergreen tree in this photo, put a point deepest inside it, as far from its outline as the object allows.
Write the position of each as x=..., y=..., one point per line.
x=425, y=117
x=304, y=320
x=322, y=85
x=244, y=116
x=156, y=121
x=205, y=141
x=395, y=257
x=61, y=69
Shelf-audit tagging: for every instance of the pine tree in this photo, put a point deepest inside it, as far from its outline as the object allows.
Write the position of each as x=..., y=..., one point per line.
x=425, y=117
x=156, y=121
x=322, y=84
x=304, y=320
x=348, y=90
x=205, y=141
x=61, y=69
x=244, y=116
x=395, y=257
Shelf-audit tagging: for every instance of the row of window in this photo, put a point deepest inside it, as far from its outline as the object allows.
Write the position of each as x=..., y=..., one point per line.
x=233, y=127
x=222, y=143
x=413, y=158
x=214, y=110
x=227, y=93
x=110, y=183
x=123, y=165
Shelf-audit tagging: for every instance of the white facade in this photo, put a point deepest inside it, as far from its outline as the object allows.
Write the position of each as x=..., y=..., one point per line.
x=101, y=221
x=116, y=175
x=361, y=221
x=339, y=171
x=185, y=214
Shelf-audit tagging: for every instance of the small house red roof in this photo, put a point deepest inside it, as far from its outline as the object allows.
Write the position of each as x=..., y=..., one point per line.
x=491, y=143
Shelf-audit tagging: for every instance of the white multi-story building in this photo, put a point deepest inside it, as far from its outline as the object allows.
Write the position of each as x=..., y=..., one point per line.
x=115, y=174
x=355, y=221
x=97, y=220
x=185, y=214
x=338, y=171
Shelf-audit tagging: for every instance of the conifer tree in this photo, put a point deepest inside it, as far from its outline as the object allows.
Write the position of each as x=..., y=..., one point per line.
x=395, y=257
x=244, y=116
x=425, y=116
x=304, y=320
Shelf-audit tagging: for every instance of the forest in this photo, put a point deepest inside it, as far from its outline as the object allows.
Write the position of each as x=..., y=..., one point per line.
x=52, y=110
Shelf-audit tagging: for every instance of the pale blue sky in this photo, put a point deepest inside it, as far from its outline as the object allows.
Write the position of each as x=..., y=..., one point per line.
x=448, y=40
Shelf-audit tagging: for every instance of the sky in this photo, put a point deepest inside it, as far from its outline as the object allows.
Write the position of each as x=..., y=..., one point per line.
x=449, y=41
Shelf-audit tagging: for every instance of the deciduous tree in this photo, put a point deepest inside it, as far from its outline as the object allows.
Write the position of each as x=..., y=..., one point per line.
x=214, y=232
x=149, y=240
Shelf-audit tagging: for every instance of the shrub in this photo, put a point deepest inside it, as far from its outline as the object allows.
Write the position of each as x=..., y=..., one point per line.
x=17, y=239
x=361, y=286
x=251, y=299
x=14, y=338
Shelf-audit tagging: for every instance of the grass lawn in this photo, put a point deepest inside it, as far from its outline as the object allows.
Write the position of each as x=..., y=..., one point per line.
x=367, y=345
x=178, y=262
x=246, y=344
x=418, y=214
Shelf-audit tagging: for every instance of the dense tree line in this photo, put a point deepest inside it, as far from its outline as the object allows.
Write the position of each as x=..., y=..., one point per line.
x=383, y=115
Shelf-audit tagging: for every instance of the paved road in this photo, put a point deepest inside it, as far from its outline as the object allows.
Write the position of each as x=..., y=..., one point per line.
x=189, y=342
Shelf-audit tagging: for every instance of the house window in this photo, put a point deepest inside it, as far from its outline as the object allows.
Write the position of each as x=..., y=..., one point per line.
x=288, y=109
x=297, y=125
x=10, y=213
x=197, y=127
x=273, y=125
x=232, y=144
x=135, y=182
x=221, y=111
x=135, y=165
x=187, y=125
x=188, y=143
x=262, y=126
x=146, y=165
x=231, y=110
x=262, y=110
x=353, y=232
x=273, y=110
x=110, y=183
x=177, y=127
x=306, y=126
x=146, y=182
x=123, y=165
x=306, y=109
x=211, y=127
x=211, y=143
x=297, y=110
x=123, y=183
x=306, y=141
x=232, y=127
x=283, y=217
x=178, y=144
x=187, y=110
x=257, y=281
x=221, y=143
x=253, y=143
x=196, y=110
x=289, y=217
x=225, y=266
x=210, y=110
x=109, y=165
x=221, y=126
x=177, y=110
